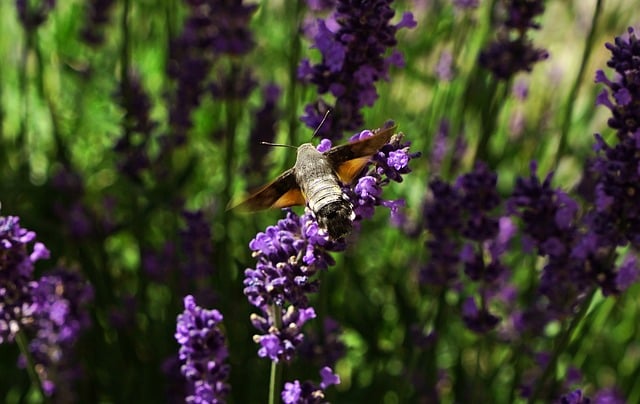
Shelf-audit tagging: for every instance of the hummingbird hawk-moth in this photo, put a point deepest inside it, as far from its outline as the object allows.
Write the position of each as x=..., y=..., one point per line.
x=315, y=179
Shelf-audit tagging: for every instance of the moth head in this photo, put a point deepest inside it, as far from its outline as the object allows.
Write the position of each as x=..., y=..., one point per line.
x=336, y=219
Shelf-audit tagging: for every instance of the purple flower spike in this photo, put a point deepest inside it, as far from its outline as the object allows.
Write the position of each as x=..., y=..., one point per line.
x=512, y=51
x=625, y=110
x=353, y=60
x=203, y=353
x=308, y=392
x=18, y=253
x=61, y=297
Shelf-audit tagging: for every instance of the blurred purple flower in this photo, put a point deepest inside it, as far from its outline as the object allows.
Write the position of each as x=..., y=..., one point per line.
x=96, y=18
x=353, y=59
x=321, y=5
x=466, y=4
x=505, y=57
x=137, y=127
x=608, y=396
x=197, y=246
x=263, y=129
x=520, y=14
x=627, y=273
x=466, y=230
x=18, y=253
x=61, y=299
x=213, y=28
x=444, y=68
x=512, y=51
x=33, y=14
x=575, y=397
x=461, y=210
x=478, y=319
x=203, y=353
x=308, y=392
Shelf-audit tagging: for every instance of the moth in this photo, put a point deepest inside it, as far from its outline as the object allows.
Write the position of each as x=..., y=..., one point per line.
x=315, y=180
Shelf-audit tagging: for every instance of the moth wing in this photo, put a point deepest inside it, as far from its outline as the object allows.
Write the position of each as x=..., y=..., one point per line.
x=279, y=193
x=349, y=159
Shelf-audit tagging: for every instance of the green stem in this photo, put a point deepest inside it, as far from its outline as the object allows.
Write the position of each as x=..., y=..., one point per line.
x=293, y=94
x=276, y=366
x=573, y=94
x=562, y=342
x=22, y=84
x=23, y=345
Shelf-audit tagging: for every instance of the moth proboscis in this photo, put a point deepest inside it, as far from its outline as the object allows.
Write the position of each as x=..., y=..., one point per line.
x=315, y=179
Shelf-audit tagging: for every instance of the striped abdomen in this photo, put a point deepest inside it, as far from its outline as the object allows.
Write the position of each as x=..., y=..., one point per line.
x=319, y=183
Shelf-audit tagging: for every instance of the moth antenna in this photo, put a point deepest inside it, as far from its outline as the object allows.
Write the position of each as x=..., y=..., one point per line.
x=324, y=118
x=278, y=145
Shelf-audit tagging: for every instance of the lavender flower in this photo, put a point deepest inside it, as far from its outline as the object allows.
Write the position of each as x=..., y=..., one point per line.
x=61, y=299
x=625, y=103
x=608, y=396
x=461, y=210
x=97, y=17
x=203, y=353
x=575, y=397
x=32, y=15
x=465, y=231
x=466, y=4
x=352, y=61
x=617, y=218
x=308, y=392
x=18, y=253
x=263, y=130
x=212, y=28
x=512, y=52
x=197, y=246
x=505, y=57
x=137, y=129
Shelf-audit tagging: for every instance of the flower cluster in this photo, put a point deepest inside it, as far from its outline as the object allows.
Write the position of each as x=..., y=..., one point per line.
x=353, y=60
x=290, y=253
x=465, y=232
x=61, y=299
x=616, y=167
x=33, y=14
x=578, y=258
x=137, y=129
x=512, y=51
x=308, y=392
x=18, y=253
x=264, y=129
x=50, y=310
x=190, y=256
x=390, y=163
x=203, y=353
x=97, y=17
x=212, y=28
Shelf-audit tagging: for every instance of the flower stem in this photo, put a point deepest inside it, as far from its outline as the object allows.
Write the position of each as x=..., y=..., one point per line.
x=573, y=94
x=23, y=345
x=276, y=366
x=561, y=344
